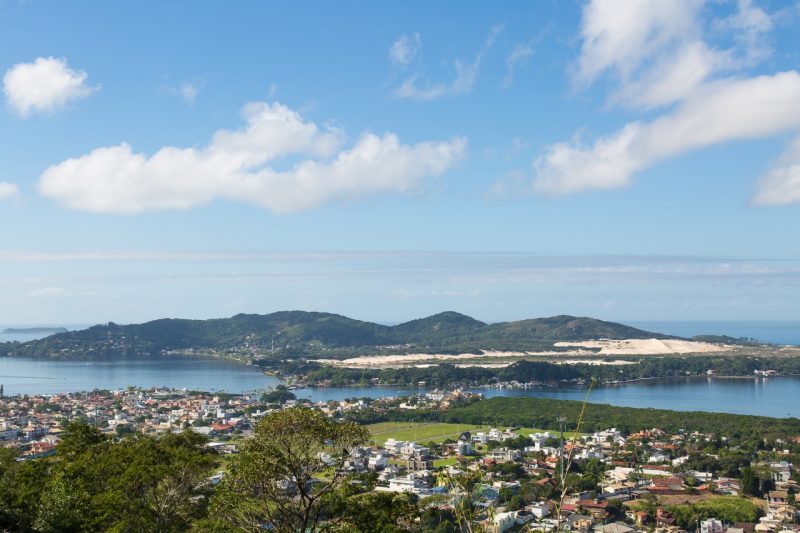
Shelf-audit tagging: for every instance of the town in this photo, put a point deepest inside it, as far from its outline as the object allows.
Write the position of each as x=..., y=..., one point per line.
x=519, y=479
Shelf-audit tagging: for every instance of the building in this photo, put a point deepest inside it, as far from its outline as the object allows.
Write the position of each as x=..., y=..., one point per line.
x=712, y=525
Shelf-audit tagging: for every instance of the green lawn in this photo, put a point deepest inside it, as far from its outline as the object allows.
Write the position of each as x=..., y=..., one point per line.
x=433, y=431
x=422, y=433
x=439, y=463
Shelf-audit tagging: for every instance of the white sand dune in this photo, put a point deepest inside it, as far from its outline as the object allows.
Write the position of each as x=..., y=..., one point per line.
x=581, y=349
x=647, y=346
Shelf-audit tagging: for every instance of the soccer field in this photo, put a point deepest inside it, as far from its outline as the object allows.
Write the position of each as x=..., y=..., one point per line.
x=419, y=432
x=433, y=431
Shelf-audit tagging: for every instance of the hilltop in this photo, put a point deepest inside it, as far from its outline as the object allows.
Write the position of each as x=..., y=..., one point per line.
x=291, y=334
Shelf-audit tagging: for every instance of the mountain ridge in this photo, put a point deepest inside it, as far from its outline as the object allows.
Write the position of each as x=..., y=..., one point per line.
x=312, y=334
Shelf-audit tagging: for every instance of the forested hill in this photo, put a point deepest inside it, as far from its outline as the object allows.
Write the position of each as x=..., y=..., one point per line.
x=299, y=333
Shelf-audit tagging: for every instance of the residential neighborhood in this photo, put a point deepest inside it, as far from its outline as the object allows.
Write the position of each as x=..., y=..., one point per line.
x=512, y=478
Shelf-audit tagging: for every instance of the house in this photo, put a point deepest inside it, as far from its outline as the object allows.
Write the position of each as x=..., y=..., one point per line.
x=393, y=446
x=409, y=483
x=580, y=523
x=712, y=525
x=503, y=522
x=538, y=509
x=596, y=509
x=378, y=461
x=40, y=449
x=504, y=455
x=728, y=486
x=480, y=437
x=664, y=518
x=777, y=497
x=419, y=462
x=666, y=485
x=464, y=448
x=781, y=471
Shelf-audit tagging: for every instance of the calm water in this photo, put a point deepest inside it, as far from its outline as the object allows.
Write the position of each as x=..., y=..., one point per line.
x=36, y=376
x=777, y=332
x=24, y=337
x=768, y=397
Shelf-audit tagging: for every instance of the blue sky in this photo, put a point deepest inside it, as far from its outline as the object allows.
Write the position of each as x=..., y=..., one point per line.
x=391, y=161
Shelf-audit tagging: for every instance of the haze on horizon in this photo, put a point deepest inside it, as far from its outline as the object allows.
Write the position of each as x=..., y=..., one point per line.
x=390, y=162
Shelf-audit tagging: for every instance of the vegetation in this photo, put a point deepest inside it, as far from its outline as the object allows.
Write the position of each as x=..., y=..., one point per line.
x=291, y=475
x=287, y=334
x=382, y=431
x=544, y=413
x=94, y=484
x=548, y=373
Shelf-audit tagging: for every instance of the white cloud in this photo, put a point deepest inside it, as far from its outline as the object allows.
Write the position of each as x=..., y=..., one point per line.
x=722, y=111
x=657, y=54
x=621, y=36
x=189, y=91
x=781, y=184
x=405, y=49
x=235, y=166
x=518, y=56
x=44, y=85
x=466, y=75
x=750, y=26
x=8, y=190
x=49, y=292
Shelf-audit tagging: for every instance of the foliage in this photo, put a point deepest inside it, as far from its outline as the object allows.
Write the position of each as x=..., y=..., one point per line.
x=93, y=484
x=297, y=333
x=291, y=475
x=280, y=395
x=728, y=509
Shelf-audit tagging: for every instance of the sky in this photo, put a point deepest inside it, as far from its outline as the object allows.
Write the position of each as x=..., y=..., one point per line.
x=622, y=159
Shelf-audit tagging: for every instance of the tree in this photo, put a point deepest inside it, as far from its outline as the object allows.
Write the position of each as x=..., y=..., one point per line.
x=749, y=482
x=78, y=438
x=379, y=512
x=140, y=483
x=290, y=475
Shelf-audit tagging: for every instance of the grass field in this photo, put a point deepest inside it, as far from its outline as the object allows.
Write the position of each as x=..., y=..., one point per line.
x=432, y=431
x=422, y=433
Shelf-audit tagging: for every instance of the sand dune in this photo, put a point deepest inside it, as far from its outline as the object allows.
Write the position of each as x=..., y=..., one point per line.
x=647, y=346
x=581, y=349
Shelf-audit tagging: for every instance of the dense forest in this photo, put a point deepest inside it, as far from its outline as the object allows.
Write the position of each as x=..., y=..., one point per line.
x=446, y=375
x=290, y=334
x=544, y=413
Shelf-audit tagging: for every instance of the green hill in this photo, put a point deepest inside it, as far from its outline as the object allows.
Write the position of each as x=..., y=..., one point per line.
x=290, y=334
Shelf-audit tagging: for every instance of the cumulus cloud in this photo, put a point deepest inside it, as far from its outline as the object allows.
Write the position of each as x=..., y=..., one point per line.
x=781, y=184
x=8, y=190
x=658, y=55
x=235, y=165
x=45, y=85
x=722, y=111
x=405, y=49
x=466, y=76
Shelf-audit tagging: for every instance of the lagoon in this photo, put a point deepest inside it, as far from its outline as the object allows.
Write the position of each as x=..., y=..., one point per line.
x=776, y=397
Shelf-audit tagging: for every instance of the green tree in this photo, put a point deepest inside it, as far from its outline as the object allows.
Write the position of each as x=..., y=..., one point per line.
x=290, y=475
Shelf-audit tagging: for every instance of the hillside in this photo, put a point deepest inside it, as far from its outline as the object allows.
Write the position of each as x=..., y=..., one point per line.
x=289, y=334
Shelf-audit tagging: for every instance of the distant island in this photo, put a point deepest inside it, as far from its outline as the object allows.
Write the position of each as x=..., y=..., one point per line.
x=309, y=336
x=312, y=335
x=35, y=331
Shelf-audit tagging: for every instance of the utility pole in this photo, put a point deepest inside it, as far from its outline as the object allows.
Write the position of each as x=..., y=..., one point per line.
x=561, y=421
